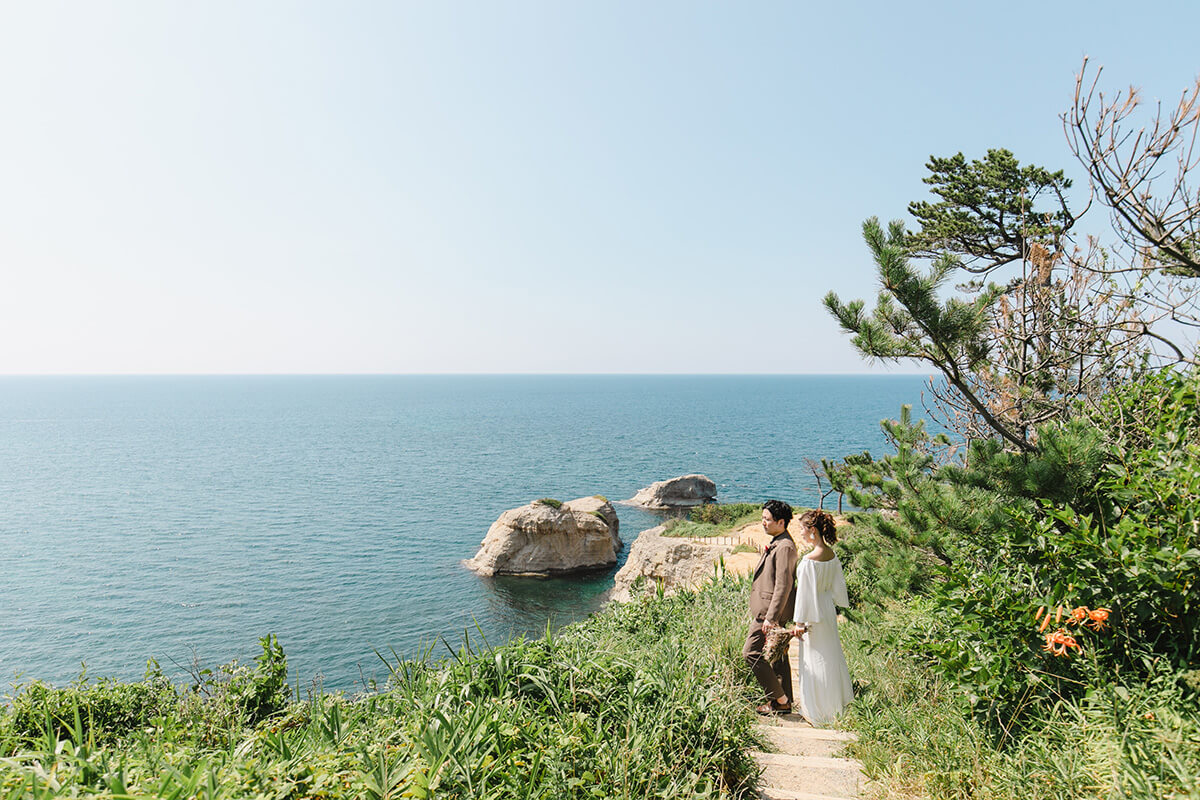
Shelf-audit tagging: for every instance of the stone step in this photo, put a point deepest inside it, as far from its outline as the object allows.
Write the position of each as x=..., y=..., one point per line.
x=787, y=726
x=833, y=777
x=798, y=741
x=847, y=765
x=787, y=794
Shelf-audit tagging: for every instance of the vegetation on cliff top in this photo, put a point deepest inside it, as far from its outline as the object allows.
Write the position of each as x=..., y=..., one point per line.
x=713, y=519
x=644, y=700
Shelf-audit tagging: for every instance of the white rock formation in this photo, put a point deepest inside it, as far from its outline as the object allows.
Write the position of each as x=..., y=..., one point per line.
x=682, y=492
x=678, y=563
x=539, y=539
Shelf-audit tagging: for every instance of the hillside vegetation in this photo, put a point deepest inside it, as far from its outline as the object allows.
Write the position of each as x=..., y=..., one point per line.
x=1025, y=624
x=644, y=700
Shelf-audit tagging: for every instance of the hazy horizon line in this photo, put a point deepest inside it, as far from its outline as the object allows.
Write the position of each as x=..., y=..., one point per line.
x=453, y=374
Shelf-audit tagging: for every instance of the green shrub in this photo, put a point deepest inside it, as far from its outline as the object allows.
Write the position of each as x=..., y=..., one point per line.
x=264, y=690
x=218, y=705
x=879, y=568
x=223, y=701
x=105, y=709
x=1129, y=544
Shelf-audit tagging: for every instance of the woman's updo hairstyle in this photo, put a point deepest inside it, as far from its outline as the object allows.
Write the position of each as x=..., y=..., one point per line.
x=779, y=510
x=822, y=523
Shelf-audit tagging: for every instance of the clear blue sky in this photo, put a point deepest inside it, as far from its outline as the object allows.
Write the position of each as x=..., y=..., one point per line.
x=351, y=187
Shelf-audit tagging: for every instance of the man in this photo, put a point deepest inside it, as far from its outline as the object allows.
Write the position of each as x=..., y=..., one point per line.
x=772, y=603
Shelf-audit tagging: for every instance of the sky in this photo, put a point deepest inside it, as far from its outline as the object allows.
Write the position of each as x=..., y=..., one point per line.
x=502, y=187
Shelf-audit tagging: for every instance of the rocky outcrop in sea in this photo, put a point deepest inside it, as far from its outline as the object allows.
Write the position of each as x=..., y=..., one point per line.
x=550, y=538
x=682, y=492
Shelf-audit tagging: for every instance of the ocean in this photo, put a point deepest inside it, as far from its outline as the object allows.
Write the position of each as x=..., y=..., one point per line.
x=183, y=518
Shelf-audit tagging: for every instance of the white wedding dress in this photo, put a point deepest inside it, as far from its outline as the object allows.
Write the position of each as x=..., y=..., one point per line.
x=825, y=687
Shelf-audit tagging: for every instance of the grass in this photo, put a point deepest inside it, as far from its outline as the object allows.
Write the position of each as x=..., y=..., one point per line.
x=687, y=528
x=713, y=520
x=730, y=515
x=647, y=699
x=717, y=519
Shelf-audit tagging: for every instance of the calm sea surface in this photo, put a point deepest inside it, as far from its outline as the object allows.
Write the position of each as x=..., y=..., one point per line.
x=173, y=517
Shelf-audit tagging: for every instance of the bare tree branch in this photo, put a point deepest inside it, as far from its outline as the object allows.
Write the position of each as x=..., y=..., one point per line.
x=1162, y=225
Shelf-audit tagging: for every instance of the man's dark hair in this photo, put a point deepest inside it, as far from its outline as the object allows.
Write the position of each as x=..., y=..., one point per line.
x=779, y=510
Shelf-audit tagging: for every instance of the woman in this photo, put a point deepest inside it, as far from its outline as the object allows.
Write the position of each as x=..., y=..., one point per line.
x=825, y=686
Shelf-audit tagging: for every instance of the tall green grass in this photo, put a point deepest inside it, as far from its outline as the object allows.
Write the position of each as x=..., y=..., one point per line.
x=645, y=700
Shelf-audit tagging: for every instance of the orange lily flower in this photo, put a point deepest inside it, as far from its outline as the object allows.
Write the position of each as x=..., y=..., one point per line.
x=1097, y=617
x=1059, y=642
x=1078, y=615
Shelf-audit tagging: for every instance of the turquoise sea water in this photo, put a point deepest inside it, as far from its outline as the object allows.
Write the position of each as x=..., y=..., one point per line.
x=181, y=517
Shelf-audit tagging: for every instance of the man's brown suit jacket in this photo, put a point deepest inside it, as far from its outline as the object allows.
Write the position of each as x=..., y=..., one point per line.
x=773, y=592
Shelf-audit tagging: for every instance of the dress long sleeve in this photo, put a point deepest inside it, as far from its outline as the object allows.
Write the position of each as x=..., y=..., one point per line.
x=808, y=607
x=840, y=597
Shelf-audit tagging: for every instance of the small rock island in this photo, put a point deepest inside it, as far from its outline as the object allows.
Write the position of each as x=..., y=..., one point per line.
x=682, y=492
x=546, y=538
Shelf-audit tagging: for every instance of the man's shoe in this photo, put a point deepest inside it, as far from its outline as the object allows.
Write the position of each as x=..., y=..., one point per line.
x=767, y=709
